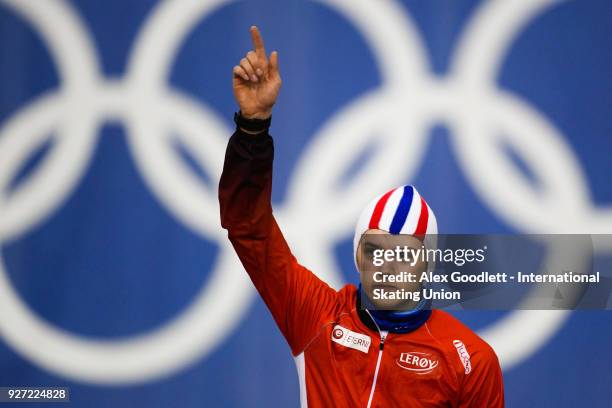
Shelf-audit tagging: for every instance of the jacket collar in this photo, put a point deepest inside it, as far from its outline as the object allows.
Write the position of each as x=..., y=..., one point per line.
x=392, y=321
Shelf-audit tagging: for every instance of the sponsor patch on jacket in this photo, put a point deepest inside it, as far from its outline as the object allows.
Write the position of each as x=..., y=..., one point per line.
x=421, y=363
x=351, y=339
x=464, y=356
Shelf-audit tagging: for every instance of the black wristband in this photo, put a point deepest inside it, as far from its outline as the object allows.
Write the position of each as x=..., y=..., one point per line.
x=252, y=125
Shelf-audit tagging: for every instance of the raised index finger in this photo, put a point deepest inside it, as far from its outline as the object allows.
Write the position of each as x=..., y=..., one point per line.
x=258, y=43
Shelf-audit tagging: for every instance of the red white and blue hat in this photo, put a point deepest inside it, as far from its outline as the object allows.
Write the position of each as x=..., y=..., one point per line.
x=401, y=210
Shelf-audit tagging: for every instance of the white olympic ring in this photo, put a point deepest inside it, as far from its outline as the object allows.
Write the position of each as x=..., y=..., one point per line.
x=395, y=117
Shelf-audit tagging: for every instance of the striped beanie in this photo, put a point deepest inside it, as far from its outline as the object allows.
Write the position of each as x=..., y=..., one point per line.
x=401, y=210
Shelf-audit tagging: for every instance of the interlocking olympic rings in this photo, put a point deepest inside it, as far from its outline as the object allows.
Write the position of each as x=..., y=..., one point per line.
x=396, y=117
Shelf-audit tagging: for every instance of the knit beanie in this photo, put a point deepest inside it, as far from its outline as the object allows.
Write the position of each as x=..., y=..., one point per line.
x=401, y=210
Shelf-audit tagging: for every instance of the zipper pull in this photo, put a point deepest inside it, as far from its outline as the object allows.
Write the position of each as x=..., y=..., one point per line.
x=382, y=341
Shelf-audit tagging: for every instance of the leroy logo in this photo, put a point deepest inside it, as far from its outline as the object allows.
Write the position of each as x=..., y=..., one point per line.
x=351, y=339
x=418, y=362
x=464, y=356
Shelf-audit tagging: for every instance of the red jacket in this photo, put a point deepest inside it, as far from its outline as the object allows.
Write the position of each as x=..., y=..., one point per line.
x=342, y=359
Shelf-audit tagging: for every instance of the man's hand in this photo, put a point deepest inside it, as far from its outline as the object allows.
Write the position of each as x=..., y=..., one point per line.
x=257, y=80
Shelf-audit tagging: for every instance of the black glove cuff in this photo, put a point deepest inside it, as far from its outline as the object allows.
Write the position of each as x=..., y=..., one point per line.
x=252, y=125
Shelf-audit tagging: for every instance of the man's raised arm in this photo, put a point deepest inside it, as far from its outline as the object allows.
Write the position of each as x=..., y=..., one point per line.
x=245, y=187
x=298, y=300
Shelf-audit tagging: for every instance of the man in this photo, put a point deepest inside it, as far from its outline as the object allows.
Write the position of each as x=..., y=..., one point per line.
x=347, y=356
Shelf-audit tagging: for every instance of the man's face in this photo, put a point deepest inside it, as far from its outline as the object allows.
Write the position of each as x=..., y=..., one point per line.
x=371, y=243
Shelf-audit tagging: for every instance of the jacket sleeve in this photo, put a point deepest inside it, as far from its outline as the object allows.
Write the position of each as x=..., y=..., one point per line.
x=484, y=385
x=298, y=300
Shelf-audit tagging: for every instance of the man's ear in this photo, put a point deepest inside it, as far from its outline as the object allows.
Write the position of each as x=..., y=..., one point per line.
x=358, y=256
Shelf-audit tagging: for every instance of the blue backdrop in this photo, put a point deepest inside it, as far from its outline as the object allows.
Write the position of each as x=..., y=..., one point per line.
x=104, y=242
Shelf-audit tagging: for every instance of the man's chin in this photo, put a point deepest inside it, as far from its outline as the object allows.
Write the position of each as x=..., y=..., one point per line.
x=393, y=305
x=396, y=307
